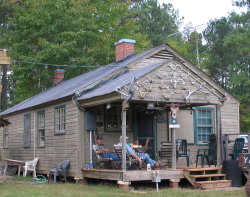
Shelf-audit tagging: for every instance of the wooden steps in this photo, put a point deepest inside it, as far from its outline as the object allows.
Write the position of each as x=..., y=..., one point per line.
x=206, y=178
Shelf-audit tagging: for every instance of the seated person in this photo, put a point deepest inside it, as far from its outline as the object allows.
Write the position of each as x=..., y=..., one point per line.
x=105, y=153
x=136, y=155
x=141, y=150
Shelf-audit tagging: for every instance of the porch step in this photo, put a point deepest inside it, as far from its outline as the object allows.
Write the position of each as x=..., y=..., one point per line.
x=205, y=178
x=202, y=169
x=213, y=184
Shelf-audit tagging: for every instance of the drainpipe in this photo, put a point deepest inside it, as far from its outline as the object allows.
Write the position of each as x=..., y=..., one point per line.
x=219, y=131
x=34, y=134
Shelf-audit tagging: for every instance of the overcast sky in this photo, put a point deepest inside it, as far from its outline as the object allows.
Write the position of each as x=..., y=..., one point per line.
x=201, y=11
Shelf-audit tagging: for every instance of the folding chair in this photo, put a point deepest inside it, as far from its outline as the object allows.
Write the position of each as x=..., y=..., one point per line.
x=102, y=160
x=131, y=162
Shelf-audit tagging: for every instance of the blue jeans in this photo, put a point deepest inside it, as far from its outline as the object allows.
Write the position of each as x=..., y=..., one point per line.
x=146, y=157
x=113, y=156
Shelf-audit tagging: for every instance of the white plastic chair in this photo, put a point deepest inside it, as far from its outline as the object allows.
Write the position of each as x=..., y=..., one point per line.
x=30, y=166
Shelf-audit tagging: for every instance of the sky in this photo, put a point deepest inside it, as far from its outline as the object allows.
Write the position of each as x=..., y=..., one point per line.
x=199, y=12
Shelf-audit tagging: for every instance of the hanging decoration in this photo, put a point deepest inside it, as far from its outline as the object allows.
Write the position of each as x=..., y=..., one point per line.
x=173, y=80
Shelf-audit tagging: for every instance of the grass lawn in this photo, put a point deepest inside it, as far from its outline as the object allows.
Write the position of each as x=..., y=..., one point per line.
x=25, y=188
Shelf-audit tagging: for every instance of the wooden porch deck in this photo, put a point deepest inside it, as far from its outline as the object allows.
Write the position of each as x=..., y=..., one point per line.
x=203, y=178
x=133, y=175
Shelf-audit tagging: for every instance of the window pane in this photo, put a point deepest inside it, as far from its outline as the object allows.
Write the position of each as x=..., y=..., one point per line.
x=204, y=125
x=60, y=120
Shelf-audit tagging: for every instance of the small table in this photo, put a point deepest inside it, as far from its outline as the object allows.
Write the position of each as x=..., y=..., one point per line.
x=13, y=162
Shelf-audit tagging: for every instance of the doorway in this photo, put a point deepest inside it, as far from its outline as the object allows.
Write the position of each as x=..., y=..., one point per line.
x=146, y=129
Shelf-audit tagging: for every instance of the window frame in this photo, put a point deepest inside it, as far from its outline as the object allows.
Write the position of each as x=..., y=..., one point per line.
x=119, y=119
x=40, y=128
x=28, y=145
x=196, y=126
x=6, y=137
x=60, y=123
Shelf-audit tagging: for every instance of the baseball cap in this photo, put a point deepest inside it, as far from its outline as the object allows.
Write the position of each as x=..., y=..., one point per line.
x=99, y=137
x=121, y=137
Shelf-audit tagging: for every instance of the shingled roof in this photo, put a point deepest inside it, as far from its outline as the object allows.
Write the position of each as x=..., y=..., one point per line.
x=69, y=87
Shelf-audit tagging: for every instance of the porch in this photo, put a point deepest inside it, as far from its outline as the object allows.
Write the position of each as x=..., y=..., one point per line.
x=199, y=178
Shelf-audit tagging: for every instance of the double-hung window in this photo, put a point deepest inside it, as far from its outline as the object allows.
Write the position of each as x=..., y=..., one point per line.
x=60, y=119
x=6, y=136
x=41, y=128
x=204, y=124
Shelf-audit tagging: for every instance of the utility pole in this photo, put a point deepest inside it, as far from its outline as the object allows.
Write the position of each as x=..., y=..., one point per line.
x=4, y=62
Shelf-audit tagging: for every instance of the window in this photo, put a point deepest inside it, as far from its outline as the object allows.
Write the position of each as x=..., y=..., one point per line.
x=113, y=121
x=41, y=128
x=27, y=131
x=60, y=120
x=204, y=124
x=5, y=136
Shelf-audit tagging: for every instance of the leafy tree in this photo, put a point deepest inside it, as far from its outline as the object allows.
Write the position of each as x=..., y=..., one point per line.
x=155, y=20
x=64, y=32
x=228, y=41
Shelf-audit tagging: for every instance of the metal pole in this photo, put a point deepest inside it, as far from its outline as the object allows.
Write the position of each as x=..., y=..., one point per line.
x=174, y=148
x=226, y=147
x=90, y=146
x=34, y=134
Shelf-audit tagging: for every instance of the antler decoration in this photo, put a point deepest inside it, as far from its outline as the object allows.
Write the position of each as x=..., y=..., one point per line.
x=130, y=90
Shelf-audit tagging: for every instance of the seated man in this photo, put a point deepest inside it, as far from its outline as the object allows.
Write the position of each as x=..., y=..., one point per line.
x=101, y=149
x=137, y=155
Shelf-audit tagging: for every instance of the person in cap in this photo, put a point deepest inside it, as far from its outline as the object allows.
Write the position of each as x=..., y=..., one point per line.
x=101, y=149
x=138, y=155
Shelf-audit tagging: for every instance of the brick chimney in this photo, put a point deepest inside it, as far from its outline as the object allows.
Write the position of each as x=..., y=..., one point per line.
x=58, y=76
x=123, y=48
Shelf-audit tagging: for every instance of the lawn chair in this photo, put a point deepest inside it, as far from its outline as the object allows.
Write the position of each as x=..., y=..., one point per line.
x=182, y=150
x=131, y=162
x=59, y=170
x=238, y=148
x=165, y=154
x=30, y=166
x=208, y=153
x=102, y=161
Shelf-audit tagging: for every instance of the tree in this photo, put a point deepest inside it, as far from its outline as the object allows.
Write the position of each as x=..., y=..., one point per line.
x=64, y=32
x=155, y=20
x=228, y=41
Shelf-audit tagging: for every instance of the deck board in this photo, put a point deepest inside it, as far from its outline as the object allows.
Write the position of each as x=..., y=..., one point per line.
x=132, y=175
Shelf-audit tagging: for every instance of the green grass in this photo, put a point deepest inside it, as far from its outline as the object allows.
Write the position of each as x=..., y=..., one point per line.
x=20, y=187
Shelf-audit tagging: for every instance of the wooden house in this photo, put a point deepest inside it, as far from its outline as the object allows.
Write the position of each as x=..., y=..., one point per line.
x=52, y=124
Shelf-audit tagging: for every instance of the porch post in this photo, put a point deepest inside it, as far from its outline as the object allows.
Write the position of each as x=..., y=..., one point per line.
x=125, y=106
x=173, y=148
x=174, y=108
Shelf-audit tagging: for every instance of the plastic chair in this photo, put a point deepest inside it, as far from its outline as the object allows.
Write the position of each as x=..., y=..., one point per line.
x=238, y=148
x=208, y=153
x=30, y=166
x=182, y=150
x=59, y=170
